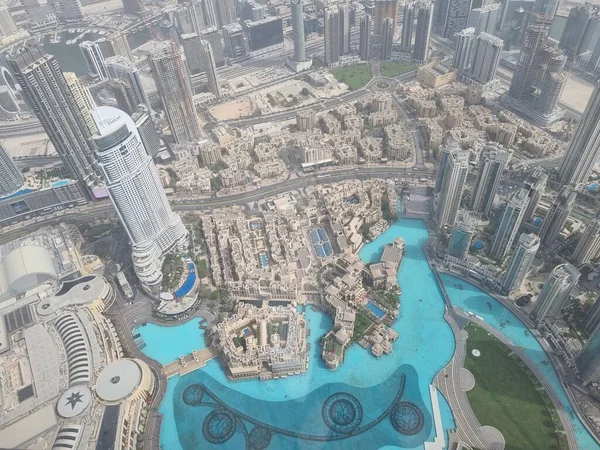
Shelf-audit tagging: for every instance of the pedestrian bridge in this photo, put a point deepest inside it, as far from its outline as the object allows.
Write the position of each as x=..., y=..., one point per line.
x=189, y=363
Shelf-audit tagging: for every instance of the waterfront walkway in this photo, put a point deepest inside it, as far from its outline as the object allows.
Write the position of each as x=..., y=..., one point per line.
x=189, y=363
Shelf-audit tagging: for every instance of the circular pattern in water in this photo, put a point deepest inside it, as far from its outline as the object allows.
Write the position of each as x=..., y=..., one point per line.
x=218, y=427
x=193, y=395
x=407, y=418
x=342, y=413
x=259, y=438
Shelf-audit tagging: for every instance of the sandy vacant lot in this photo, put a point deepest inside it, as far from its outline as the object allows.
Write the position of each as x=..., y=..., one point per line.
x=236, y=109
x=577, y=93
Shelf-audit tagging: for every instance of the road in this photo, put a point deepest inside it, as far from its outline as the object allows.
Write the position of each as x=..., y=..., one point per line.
x=101, y=210
x=417, y=132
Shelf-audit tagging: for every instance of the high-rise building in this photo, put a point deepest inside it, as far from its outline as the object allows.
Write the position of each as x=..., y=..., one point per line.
x=539, y=78
x=463, y=230
x=484, y=19
x=82, y=100
x=198, y=15
x=385, y=9
x=11, y=178
x=210, y=13
x=184, y=17
x=440, y=16
x=544, y=11
x=175, y=89
x=365, y=38
x=588, y=360
x=492, y=163
x=387, y=39
x=210, y=65
x=509, y=224
x=7, y=24
x=486, y=53
x=94, y=59
x=68, y=11
x=135, y=7
x=558, y=214
x=423, y=30
x=575, y=28
x=41, y=15
x=137, y=194
x=463, y=49
x=226, y=12
x=46, y=90
x=146, y=129
x=212, y=35
x=233, y=36
x=555, y=292
x=455, y=171
x=592, y=319
x=584, y=149
x=408, y=23
x=332, y=35
x=121, y=68
x=191, y=49
x=535, y=185
x=458, y=14
x=588, y=247
x=300, y=62
x=520, y=262
x=119, y=46
x=344, y=29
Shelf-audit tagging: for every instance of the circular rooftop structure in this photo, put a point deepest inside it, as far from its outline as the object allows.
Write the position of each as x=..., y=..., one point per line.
x=119, y=380
x=74, y=401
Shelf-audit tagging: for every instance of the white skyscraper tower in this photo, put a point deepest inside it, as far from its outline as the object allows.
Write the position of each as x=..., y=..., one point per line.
x=486, y=53
x=11, y=178
x=588, y=247
x=453, y=180
x=332, y=35
x=491, y=166
x=299, y=62
x=94, y=59
x=136, y=192
x=211, y=68
x=509, y=224
x=462, y=50
x=556, y=290
x=584, y=150
x=520, y=262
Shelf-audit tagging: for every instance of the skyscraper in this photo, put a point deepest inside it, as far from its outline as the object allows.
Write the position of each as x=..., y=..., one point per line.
x=212, y=35
x=175, y=89
x=458, y=14
x=45, y=88
x=584, y=149
x=385, y=9
x=592, y=319
x=68, y=11
x=191, y=49
x=11, y=178
x=136, y=192
x=556, y=290
x=134, y=7
x=94, y=59
x=423, y=30
x=146, y=129
x=535, y=185
x=588, y=247
x=462, y=234
x=344, y=29
x=492, y=163
x=365, y=38
x=454, y=176
x=440, y=16
x=119, y=46
x=121, y=68
x=557, y=215
x=82, y=100
x=7, y=24
x=408, y=23
x=484, y=19
x=300, y=61
x=520, y=262
x=387, y=39
x=509, y=224
x=463, y=48
x=210, y=13
x=226, y=12
x=539, y=78
x=544, y=10
x=198, y=15
x=588, y=360
x=486, y=53
x=575, y=28
x=211, y=68
x=332, y=35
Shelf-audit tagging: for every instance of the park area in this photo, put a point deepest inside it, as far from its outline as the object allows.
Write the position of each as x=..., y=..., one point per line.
x=391, y=69
x=508, y=397
x=355, y=76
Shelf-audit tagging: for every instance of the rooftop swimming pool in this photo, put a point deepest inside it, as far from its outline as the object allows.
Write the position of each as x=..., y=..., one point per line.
x=188, y=285
x=366, y=403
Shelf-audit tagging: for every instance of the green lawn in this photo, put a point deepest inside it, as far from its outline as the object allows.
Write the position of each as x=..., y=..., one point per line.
x=505, y=395
x=355, y=76
x=395, y=69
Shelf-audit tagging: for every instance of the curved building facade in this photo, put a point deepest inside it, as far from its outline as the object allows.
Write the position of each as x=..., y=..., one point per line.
x=11, y=178
x=135, y=189
x=588, y=361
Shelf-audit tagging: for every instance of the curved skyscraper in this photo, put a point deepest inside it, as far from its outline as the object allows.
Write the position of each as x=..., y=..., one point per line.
x=588, y=360
x=555, y=293
x=520, y=263
x=135, y=190
x=11, y=179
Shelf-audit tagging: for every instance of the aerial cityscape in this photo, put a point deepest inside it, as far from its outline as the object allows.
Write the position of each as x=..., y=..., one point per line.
x=290, y=224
